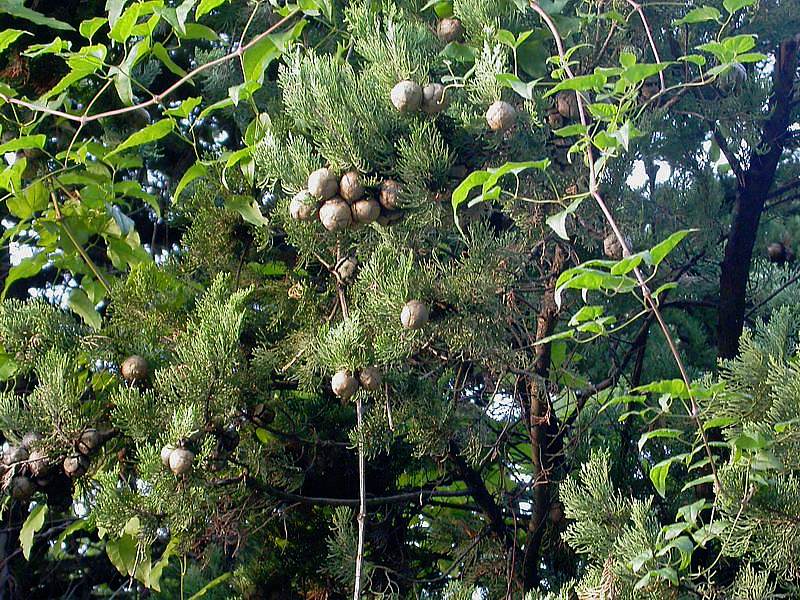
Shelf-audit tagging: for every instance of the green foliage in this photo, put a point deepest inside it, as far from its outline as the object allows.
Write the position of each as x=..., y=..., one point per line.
x=150, y=163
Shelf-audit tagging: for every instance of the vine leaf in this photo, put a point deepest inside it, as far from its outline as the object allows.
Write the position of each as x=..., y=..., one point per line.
x=32, y=524
x=17, y=8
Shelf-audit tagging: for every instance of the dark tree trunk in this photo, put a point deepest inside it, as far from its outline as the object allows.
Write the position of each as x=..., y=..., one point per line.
x=751, y=193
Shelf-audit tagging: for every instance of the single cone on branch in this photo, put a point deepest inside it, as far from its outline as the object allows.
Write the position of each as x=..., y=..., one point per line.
x=433, y=98
x=390, y=194
x=555, y=120
x=14, y=454
x=567, y=105
x=450, y=30
x=350, y=187
x=732, y=81
x=303, y=206
x=406, y=96
x=323, y=184
x=414, y=315
x=21, y=488
x=366, y=211
x=650, y=88
x=30, y=438
x=344, y=384
x=166, y=452
x=612, y=248
x=335, y=214
x=180, y=461
x=370, y=379
x=76, y=465
x=38, y=463
x=262, y=415
x=778, y=253
x=89, y=441
x=346, y=269
x=501, y=116
x=134, y=369
x=389, y=217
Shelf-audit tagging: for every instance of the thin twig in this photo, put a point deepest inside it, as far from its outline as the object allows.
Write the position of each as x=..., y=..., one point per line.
x=89, y=262
x=362, y=480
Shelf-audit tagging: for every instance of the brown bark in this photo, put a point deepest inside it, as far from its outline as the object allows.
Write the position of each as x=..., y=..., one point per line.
x=541, y=434
x=752, y=190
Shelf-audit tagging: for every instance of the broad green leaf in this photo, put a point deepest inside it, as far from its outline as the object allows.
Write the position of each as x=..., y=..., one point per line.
x=80, y=303
x=701, y=14
x=23, y=143
x=8, y=366
x=170, y=15
x=690, y=512
x=718, y=422
x=206, y=6
x=257, y=58
x=248, y=208
x=122, y=553
x=463, y=189
x=640, y=72
x=183, y=10
x=211, y=585
x=739, y=44
x=16, y=8
x=751, y=57
x=195, y=171
x=580, y=83
x=458, y=52
x=149, y=134
x=733, y=5
x=185, y=108
x=154, y=579
x=512, y=168
x=660, y=251
x=628, y=264
x=674, y=530
x=90, y=26
x=162, y=54
x=660, y=434
x=673, y=387
x=572, y=130
x=515, y=83
x=658, y=475
x=558, y=221
x=745, y=441
x=32, y=524
x=121, y=30
x=29, y=201
x=55, y=47
x=695, y=59
x=196, y=31
x=586, y=313
x=26, y=268
x=9, y=36
x=114, y=8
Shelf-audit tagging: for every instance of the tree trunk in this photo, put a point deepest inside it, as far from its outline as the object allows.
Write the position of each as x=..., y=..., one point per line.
x=751, y=193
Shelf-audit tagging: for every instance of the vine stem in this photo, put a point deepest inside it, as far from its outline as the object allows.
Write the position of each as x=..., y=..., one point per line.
x=650, y=301
x=86, y=258
x=157, y=98
x=362, y=479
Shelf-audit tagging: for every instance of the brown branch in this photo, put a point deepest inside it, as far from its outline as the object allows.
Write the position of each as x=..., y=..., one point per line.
x=750, y=199
x=736, y=166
